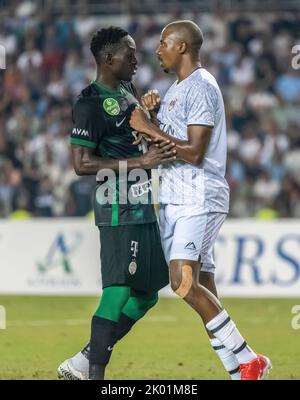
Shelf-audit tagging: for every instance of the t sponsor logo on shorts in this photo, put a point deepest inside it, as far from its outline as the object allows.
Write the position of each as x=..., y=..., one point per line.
x=133, y=265
x=134, y=248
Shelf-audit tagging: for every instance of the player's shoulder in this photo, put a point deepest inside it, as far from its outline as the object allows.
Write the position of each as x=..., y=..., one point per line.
x=87, y=101
x=129, y=86
x=205, y=79
x=203, y=83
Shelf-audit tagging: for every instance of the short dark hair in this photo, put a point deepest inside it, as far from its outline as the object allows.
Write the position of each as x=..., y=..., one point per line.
x=106, y=40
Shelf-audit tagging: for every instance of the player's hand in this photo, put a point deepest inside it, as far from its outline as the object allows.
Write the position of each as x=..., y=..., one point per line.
x=139, y=120
x=156, y=138
x=140, y=137
x=159, y=155
x=151, y=100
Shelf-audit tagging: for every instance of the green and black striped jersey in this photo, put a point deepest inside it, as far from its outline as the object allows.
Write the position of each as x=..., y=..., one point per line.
x=101, y=122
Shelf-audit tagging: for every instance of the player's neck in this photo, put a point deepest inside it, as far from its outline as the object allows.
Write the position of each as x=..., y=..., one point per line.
x=108, y=80
x=186, y=69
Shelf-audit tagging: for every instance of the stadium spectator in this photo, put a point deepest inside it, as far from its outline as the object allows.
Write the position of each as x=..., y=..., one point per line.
x=48, y=64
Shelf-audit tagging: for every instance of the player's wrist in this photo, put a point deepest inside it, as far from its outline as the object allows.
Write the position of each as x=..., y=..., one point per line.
x=149, y=128
x=142, y=162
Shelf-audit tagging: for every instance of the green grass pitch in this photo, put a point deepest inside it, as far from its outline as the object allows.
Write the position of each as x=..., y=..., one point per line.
x=169, y=343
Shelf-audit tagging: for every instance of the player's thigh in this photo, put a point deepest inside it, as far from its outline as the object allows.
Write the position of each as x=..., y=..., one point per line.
x=132, y=255
x=213, y=226
x=188, y=236
x=166, y=227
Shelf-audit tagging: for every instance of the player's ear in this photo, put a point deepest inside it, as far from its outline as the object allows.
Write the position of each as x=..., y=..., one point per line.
x=182, y=47
x=108, y=58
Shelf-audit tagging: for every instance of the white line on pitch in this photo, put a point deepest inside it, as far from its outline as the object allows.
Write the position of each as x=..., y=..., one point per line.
x=74, y=322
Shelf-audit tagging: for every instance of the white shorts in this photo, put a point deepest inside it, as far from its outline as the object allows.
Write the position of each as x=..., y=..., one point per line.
x=189, y=233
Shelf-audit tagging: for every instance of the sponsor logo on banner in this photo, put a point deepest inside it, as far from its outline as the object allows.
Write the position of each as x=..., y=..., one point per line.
x=55, y=269
x=259, y=262
x=252, y=258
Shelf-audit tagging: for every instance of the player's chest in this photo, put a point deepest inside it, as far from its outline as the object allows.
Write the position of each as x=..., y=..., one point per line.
x=116, y=113
x=173, y=107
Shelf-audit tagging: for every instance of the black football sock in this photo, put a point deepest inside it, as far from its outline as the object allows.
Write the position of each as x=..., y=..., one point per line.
x=123, y=327
x=103, y=333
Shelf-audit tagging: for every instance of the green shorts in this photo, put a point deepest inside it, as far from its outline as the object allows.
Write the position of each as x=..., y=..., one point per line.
x=132, y=255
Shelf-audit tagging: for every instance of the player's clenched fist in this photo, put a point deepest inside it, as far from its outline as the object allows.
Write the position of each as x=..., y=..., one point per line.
x=151, y=100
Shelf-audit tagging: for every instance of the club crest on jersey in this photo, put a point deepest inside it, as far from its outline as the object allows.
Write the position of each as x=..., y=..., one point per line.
x=111, y=106
x=132, y=267
x=172, y=104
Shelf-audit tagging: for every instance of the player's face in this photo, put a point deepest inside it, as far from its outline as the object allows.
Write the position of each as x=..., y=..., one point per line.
x=167, y=51
x=124, y=60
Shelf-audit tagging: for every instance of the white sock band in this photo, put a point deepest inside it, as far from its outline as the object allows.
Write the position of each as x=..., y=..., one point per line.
x=224, y=329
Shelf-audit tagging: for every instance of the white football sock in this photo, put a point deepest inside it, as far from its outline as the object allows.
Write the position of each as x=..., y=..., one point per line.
x=227, y=358
x=224, y=329
x=80, y=362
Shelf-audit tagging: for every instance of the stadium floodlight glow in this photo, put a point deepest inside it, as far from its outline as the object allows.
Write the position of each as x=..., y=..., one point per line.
x=2, y=57
x=2, y=317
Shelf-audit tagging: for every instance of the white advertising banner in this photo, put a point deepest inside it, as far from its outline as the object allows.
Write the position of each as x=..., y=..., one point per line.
x=55, y=256
x=62, y=256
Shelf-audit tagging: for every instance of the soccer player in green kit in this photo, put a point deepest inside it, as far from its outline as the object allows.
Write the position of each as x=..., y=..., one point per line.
x=102, y=142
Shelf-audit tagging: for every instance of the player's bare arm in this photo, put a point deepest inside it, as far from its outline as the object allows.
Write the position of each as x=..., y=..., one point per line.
x=86, y=163
x=191, y=150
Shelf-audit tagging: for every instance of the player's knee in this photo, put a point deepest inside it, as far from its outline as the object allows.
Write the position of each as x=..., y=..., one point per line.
x=143, y=304
x=153, y=300
x=150, y=302
x=175, y=282
x=182, y=281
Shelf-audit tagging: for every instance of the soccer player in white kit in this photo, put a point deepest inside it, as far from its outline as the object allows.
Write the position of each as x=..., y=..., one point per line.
x=193, y=193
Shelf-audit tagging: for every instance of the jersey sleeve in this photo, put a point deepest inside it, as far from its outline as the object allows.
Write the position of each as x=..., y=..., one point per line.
x=202, y=105
x=88, y=123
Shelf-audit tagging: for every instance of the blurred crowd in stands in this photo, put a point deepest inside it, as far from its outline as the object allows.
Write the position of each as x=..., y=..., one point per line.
x=48, y=62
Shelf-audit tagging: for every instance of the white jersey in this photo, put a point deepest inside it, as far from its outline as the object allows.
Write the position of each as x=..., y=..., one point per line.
x=196, y=100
